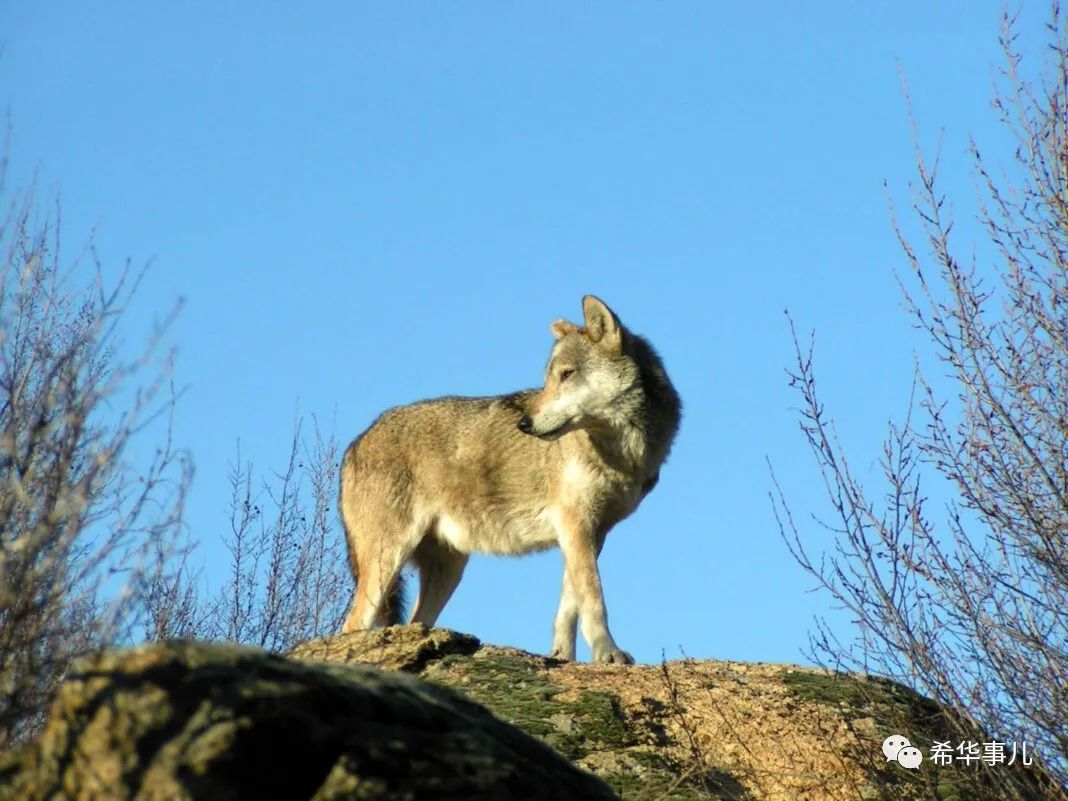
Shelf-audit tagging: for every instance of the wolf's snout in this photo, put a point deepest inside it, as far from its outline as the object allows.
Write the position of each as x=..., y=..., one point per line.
x=525, y=424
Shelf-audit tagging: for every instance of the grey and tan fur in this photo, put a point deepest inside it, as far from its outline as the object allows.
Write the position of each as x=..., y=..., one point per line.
x=438, y=480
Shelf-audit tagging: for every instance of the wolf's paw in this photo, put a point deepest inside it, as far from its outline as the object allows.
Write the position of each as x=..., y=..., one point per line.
x=613, y=656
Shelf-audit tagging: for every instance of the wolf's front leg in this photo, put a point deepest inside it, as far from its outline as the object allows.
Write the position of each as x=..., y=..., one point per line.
x=566, y=623
x=580, y=568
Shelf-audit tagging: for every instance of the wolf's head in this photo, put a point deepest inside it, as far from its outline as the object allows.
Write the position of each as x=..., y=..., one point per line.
x=591, y=381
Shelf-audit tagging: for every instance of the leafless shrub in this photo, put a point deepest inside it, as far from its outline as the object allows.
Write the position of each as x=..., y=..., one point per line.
x=973, y=614
x=288, y=577
x=79, y=523
x=172, y=604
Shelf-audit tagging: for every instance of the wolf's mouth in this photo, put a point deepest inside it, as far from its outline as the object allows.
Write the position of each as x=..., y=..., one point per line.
x=556, y=433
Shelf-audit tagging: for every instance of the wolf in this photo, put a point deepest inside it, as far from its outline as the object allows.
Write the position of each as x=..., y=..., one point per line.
x=435, y=481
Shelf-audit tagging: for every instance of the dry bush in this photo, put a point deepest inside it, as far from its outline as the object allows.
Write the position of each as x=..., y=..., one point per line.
x=80, y=525
x=972, y=612
x=288, y=575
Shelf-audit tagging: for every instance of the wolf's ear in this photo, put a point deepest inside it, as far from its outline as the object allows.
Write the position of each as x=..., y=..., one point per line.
x=561, y=328
x=602, y=325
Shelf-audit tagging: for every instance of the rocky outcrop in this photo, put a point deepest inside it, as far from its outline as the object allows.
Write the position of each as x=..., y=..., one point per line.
x=199, y=721
x=683, y=729
x=203, y=721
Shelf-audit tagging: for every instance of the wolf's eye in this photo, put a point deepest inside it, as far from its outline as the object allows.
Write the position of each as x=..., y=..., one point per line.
x=566, y=374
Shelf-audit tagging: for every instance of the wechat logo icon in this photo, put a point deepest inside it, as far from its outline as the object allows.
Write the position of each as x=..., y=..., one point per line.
x=898, y=749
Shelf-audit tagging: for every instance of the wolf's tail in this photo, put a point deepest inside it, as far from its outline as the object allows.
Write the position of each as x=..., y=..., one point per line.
x=394, y=609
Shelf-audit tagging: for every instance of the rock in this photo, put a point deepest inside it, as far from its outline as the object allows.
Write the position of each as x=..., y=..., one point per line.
x=684, y=729
x=201, y=721
x=191, y=721
x=407, y=648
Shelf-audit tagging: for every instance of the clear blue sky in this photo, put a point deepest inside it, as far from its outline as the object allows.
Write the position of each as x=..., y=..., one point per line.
x=368, y=204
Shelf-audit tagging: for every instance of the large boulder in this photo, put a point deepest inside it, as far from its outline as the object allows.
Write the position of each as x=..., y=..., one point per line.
x=207, y=721
x=192, y=721
x=686, y=729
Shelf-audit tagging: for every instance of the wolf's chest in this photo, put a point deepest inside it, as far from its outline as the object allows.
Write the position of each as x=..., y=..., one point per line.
x=498, y=531
x=516, y=525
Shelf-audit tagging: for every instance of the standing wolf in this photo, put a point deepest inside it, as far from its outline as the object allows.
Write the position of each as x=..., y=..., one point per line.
x=438, y=480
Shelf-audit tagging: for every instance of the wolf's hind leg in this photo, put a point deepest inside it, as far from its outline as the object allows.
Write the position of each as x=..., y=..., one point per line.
x=379, y=566
x=440, y=569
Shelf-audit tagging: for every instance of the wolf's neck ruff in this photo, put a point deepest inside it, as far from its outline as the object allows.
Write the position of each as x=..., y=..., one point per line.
x=621, y=447
x=656, y=411
x=633, y=440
